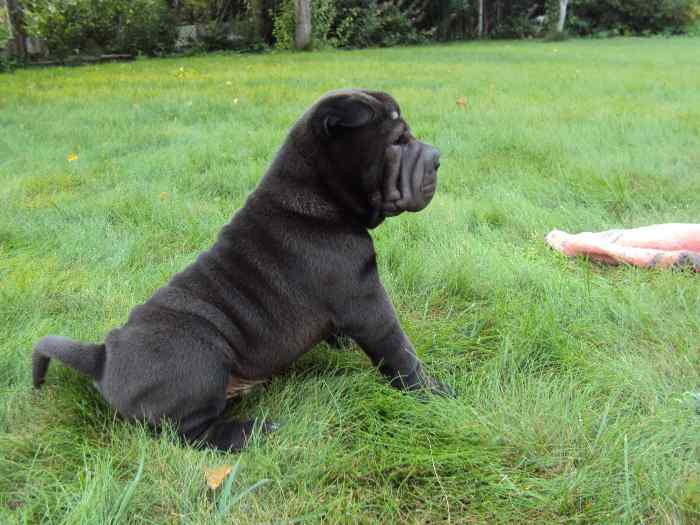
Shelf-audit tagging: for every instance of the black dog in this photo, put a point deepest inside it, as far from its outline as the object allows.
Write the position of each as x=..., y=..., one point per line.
x=294, y=267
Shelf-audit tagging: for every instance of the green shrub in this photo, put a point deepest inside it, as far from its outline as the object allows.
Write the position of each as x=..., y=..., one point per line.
x=632, y=17
x=457, y=19
x=4, y=32
x=115, y=26
x=146, y=26
x=7, y=63
x=226, y=24
x=694, y=30
x=284, y=25
x=396, y=28
x=240, y=34
x=356, y=27
x=366, y=23
x=323, y=13
x=516, y=26
x=352, y=24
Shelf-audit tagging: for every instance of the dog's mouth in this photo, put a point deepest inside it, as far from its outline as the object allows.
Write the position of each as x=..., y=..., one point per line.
x=410, y=177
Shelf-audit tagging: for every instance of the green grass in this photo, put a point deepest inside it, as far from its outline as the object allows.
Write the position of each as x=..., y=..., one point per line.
x=578, y=385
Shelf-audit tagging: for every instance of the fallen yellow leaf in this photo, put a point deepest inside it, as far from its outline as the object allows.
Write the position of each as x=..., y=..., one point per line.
x=216, y=475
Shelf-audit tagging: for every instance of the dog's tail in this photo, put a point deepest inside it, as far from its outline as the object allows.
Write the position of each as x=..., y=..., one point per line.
x=86, y=358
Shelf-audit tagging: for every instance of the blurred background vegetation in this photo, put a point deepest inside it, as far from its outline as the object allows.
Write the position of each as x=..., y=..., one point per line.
x=69, y=28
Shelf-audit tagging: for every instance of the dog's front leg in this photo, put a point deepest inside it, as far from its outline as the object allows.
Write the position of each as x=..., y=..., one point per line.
x=373, y=324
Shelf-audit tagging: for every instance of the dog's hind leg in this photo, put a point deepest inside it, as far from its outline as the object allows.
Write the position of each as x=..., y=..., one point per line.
x=227, y=435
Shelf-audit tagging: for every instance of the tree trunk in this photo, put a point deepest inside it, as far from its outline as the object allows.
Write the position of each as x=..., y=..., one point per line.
x=563, y=4
x=18, y=47
x=481, y=18
x=499, y=11
x=302, y=34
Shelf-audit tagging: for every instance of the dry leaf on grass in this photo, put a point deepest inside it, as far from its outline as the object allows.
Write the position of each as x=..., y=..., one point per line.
x=216, y=475
x=462, y=102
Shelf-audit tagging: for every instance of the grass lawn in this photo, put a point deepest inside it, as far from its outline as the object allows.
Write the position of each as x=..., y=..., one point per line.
x=578, y=385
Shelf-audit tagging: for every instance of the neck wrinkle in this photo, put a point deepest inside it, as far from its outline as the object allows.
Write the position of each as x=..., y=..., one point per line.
x=306, y=193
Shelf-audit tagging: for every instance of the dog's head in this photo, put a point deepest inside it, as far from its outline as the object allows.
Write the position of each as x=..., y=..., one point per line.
x=367, y=157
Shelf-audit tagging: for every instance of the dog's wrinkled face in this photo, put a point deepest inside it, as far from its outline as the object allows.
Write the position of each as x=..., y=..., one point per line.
x=369, y=159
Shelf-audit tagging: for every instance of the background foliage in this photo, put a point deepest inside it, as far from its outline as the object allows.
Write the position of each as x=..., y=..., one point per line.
x=112, y=26
x=4, y=31
x=323, y=14
x=637, y=17
x=148, y=26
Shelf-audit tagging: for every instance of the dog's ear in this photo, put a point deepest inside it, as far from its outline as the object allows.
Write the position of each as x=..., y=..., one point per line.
x=341, y=112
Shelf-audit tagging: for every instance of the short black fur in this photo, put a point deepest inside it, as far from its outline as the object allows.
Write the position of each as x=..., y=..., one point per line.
x=295, y=266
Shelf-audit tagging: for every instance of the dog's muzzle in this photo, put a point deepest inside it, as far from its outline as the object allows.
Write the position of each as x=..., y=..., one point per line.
x=410, y=177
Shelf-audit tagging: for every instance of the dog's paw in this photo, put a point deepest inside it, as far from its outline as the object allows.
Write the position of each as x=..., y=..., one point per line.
x=439, y=388
x=233, y=436
x=268, y=427
x=419, y=381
